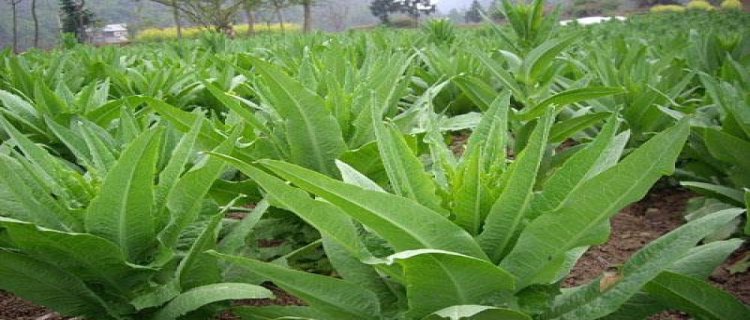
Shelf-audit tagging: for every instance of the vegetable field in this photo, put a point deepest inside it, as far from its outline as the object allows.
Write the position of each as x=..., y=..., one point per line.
x=437, y=173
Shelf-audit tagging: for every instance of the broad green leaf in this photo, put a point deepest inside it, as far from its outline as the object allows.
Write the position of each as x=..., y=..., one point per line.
x=235, y=106
x=471, y=200
x=478, y=91
x=505, y=220
x=20, y=201
x=122, y=212
x=46, y=285
x=405, y=224
x=563, y=130
x=747, y=211
x=645, y=265
x=89, y=257
x=501, y=74
x=128, y=127
x=336, y=298
x=184, y=121
x=103, y=153
x=325, y=217
x=313, y=134
x=108, y=112
x=201, y=296
x=477, y=312
x=598, y=156
x=701, y=261
x=197, y=268
x=235, y=239
x=354, y=177
x=437, y=279
x=553, y=234
x=74, y=143
x=491, y=135
x=724, y=193
x=728, y=148
x=20, y=108
x=186, y=198
x=696, y=297
x=350, y=268
x=405, y=171
x=540, y=58
x=277, y=312
x=169, y=176
x=55, y=174
x=564, y=98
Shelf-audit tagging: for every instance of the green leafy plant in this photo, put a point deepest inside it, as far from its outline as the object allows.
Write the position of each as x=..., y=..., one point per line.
x=121, y=247
x=504, y=234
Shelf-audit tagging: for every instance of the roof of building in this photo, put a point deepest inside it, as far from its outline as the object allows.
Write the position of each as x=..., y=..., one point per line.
x=115, y=27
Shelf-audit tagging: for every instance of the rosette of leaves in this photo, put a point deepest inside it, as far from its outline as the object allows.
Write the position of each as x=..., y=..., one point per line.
x=120, y=233
x=487, y=235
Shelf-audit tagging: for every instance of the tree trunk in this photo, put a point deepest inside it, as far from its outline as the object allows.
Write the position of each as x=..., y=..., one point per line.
x=176, y=17
x=250, y=19
x=81, y=27
x=280, y=16
x=307, y=25
x=36, y=23
x=13, y=5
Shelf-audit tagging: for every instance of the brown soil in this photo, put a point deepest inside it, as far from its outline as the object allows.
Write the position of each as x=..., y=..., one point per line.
x=635, y=226
x=660, y=212
x=14, y=308
x=282, y=299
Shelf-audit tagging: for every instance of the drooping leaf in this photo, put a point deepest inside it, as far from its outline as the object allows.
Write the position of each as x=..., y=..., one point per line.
x=383, y=213
x=600, y=197
x=88, y=257
x=201, y=296
x=564, y=98
x=336, y=298
x=477, y=312
x=645, y=265
x=438, y=279
x=49, y=286
x=696, y=297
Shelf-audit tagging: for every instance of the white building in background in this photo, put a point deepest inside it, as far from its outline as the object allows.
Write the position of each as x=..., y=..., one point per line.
x=112, y=34
x=591, y=20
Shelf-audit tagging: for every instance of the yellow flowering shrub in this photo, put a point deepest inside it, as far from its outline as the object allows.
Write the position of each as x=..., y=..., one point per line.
x=170, y=33
x=731, y=5
x=667, y=8
x=699, y=5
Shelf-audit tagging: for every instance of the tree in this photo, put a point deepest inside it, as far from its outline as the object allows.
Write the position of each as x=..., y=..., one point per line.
x=474, y=14
x=250, y=7
x=216, y=14
x=76, y=18
x=307, y=13
x=36, y=23
x=414, y=8
x=382, y=9
x=277, y=6
x=337, y=14
x=14, y=8
x=177, y=21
